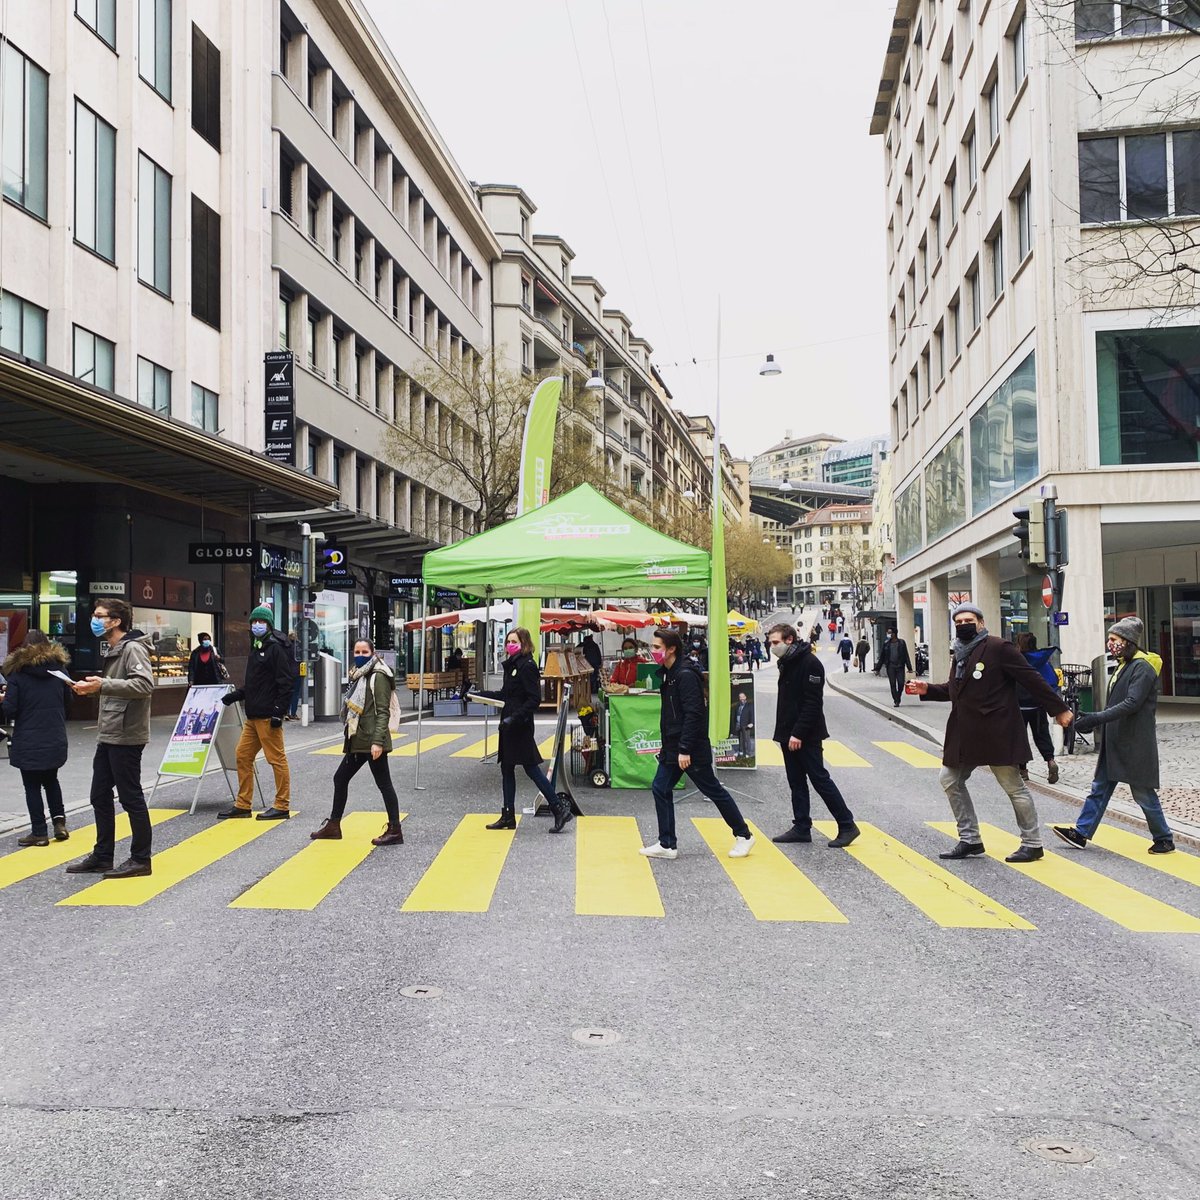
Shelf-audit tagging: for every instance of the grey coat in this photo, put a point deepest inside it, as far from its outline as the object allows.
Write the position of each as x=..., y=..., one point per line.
x=1126, y=736
x=126, y=683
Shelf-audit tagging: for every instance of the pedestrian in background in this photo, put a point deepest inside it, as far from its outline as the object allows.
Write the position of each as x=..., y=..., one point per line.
x=861, y=651
x=1034, y=717
x=267, y=693
x=846, y=650
x=896, y=661
x=297, y=653
x=594, y=657
x=122, y=731
x=1127, y=740
x=686, y=749
x=367, y=742
x=205, y=665
x=986, y=730
x=35, y=702
x=521, y=692
x=800, y=730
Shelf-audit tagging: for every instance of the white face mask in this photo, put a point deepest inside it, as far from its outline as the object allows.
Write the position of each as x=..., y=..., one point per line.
x=779, y=649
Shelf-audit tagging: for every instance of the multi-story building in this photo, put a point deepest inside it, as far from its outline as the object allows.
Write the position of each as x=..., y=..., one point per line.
x=831, y=555
x=1040, y=160
x=856, y=463
x=792, y=459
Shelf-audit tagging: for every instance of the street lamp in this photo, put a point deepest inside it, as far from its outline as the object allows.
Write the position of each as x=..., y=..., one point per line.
x=595, y=383
x=770, y=367
x=786, y=486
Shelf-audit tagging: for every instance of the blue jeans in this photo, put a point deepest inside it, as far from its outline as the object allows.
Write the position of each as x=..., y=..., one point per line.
x=508, y=785
x=1097, y=801
x=705, y=778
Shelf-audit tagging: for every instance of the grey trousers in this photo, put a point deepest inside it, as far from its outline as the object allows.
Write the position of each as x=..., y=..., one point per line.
x=954, y=783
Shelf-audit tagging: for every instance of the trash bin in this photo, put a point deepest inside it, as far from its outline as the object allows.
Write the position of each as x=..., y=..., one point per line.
x=327, y=688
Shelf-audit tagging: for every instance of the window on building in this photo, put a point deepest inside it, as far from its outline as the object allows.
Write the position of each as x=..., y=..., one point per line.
x=971, y=157
x=285, y=319
x=339, y=365
x=935, y=232
x=314, y=453
x=204, y=409
x=314, y=212
x=952, y=197
x=1185, y=159
x=991, y=106
x=287, y=172
x=1020, y=62
x=1099, y=180
x=1004, y=439
x=1148, y=395
x=22, y=327
x=995, y=258
x=95, y=182
x=526, y=293
x=25, y=106
x=310, y=336
x=524, y=225
x=923, y=263
x=100, y=16
x=338, y=455
x=206, y=88
x=153, y=386
x=526, y=354
x=154, y=45
x=93, y=358
x=1146, y=176
x=974, y=296
x=946, y=489
x=1141, y=18
x=154, y=225
x=954, y=318
x=206, y=263
x=1141, y=177
x=1024, y=222
x=939, y=353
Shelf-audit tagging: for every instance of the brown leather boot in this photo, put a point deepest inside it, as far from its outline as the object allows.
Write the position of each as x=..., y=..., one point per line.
x=392, y=835
x=331, y=830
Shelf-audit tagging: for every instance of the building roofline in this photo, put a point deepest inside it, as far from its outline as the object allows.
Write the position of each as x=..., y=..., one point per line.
x=555, y=239
x=506, y=189
x=893, y=59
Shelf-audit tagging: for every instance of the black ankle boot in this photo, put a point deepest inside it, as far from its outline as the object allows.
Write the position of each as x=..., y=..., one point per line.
x=506, y=820
x=562, y=814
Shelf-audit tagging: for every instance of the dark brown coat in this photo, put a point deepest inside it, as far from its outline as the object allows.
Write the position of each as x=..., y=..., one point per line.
x=985, y=727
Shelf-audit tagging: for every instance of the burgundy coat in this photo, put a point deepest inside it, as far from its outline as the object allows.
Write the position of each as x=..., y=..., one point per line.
x=986, y=728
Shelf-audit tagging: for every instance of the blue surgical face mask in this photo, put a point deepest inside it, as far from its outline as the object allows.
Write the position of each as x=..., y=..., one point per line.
x=205, y=642
x=259, y=628
x=361, y=660
x=98, y=626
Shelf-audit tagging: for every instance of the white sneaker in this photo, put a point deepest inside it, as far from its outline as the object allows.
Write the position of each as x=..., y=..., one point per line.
x=742, y=847
x=656, y=850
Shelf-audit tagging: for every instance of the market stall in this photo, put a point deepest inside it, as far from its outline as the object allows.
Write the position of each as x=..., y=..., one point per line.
x=578, y=545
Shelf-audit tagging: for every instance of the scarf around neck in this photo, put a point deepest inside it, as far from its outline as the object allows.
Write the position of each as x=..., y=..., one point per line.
x=962, y=651
x=356, y=693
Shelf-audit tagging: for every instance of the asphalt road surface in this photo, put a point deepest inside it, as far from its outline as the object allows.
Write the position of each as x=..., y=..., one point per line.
x=806, y=1022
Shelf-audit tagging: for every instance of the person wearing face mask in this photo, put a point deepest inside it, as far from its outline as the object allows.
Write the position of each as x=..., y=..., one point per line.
x=896, y=661
x=368, y=742
x=522, y=694
x=800, y=730
x=1127, y=742
x=625, y=672
x=986, y=729
x=267, y=693
x=204, y=666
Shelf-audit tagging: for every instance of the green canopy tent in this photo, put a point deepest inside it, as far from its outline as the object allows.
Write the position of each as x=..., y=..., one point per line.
x=578, y=545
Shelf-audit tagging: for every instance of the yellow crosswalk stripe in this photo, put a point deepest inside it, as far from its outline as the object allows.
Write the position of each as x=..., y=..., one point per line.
x=1123, y=905
x=463, y=876
x=838, y=755
x=430, y=742
x=768, y=754
x=1132, y=846
x=611, y=878
x=174, y=865
x=939, y=894
x=33, y=860
x=308, y=877
x=546, y=748
x=478, y=750
x=910, y=754
x=772, y=886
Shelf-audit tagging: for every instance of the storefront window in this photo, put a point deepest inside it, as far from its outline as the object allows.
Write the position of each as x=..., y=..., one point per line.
x=173, y=637
x=945, y=490
x=56, y=605
x=1185, y=640
x=333, y=624
x=1004, y=455
x=908, y=521
x=1148, y=395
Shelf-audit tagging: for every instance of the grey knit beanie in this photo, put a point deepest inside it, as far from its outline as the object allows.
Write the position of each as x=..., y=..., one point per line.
x=1131, y=629
x=974, y=610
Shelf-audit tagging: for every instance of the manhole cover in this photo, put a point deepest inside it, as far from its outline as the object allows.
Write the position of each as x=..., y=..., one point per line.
x=421, y=991
x=1061, y=1152
x=596, y=1037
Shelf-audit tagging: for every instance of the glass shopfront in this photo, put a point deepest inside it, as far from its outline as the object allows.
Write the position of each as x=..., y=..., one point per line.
x=173, y=637
x=1004, y=454
x=909, y=538
x=945, y=490
x=1172, y=620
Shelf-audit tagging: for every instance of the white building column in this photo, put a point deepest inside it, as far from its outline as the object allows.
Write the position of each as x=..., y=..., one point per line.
x=985, y=590
x=938, y=633
x=905, y=620
x=1083, y=587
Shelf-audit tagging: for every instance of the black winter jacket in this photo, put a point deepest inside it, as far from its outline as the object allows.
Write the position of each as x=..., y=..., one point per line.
x=683, y=721
x=522, y=694
x=800, y=709
x=36, y=703
x=269, y=674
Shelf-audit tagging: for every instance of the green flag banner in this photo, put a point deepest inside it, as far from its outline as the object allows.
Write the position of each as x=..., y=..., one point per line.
x=718, y=626
x=537, y=458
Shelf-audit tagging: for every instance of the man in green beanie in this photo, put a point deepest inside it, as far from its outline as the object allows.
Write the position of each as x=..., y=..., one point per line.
x=267, y=693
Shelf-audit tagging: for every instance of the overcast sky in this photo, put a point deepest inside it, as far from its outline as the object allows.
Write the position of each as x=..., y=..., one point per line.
x=767, y=189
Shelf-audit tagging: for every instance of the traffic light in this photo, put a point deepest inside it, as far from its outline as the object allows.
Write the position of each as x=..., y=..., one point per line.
x=1030, y=531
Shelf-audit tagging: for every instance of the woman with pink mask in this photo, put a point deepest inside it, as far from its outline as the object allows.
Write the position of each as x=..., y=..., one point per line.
x=522, y=693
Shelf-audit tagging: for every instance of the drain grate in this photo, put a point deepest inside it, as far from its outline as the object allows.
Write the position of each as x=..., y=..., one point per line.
x=596, y=1037
x=421, y=992
x=1070, y=1153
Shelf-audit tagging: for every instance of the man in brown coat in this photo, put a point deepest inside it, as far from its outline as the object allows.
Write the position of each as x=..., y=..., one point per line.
x=986, y=729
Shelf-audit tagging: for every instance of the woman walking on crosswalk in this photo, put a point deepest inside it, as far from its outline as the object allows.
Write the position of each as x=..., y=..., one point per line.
x=522, y=693
x=365, y=714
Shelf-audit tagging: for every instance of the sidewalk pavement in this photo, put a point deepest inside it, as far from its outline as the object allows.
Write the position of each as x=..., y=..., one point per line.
x=1178, y=750
x=76, y=775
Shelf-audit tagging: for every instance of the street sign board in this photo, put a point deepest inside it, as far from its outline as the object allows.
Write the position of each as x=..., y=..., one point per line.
x=220, y=552
x=337, y=571
x=106, y=588
x=1061, y=619
x=279, y=407
x=1048, y=591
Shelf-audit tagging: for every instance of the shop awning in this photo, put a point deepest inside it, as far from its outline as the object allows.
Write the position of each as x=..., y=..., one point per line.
x=366, y=538
x=54, y=428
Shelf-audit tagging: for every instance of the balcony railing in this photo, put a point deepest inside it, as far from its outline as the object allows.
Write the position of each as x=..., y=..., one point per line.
x=613, y=436
x=635, y=403
x=638, y=452
x=550, y=325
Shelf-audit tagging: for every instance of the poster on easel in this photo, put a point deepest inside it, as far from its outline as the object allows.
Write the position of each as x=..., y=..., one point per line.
x=738, y=750
x=195, y=731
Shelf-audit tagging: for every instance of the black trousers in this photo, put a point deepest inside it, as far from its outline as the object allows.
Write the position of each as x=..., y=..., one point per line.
x=350, y=766
x=34, y=782
x=119, y=767
x=803, y=765
x=1039, y=725
x=896, y=681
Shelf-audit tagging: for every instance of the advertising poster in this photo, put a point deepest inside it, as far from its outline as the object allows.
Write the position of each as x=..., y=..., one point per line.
x=738, y=748
x=192, y=737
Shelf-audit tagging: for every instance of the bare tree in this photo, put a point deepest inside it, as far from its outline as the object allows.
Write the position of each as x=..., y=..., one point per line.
x=854, y=565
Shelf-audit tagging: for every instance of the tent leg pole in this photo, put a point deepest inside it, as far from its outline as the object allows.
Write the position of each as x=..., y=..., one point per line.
x=487, y=643
x=420, y=687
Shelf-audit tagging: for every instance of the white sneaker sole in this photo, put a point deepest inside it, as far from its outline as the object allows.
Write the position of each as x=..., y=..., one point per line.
x=658, y=852
x=742, y=851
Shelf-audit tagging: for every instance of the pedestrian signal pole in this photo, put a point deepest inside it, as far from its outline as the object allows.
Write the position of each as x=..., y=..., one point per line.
x=308, y=596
